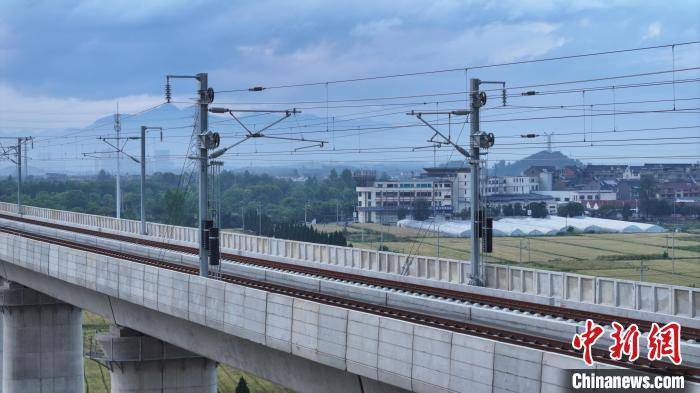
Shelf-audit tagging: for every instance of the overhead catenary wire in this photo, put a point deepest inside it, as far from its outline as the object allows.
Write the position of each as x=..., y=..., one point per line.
x=510, y=88
x=470, y=67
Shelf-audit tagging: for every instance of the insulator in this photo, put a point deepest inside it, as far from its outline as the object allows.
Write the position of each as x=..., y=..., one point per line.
x=168, y=95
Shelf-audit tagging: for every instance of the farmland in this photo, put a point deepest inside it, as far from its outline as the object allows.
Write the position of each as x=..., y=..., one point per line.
x=670, y=258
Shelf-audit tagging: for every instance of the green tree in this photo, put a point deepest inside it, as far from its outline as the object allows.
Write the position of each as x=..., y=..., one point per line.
x=647, y=194
x=538, y=209
x=607, y=211
x=571, y=209
x=174, y=201
x=421, y=209
x=401, y=213
x=242, y=386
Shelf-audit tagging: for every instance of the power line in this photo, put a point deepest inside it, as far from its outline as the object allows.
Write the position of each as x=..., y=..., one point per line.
x=462, y=69
x=451, y=93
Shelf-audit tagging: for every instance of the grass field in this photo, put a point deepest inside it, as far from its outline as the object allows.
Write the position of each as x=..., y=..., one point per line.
x=665, y=257
x=97, y=376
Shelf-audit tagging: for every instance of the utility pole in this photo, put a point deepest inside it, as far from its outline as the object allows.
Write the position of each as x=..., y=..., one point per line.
x=206, y=140
x=16, y=150
x=259, y=218
x=143, y=173
x=381, y=232
x=474, y=104
x=477, y=140
x=118, y=147
x=26, y=162
x=203, y=166
x=438, y=241
x=19, y=176
x=118, y=129
x=520, y=259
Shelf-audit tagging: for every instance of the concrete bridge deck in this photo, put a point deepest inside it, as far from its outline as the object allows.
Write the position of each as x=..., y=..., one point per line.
x=368, y=348
x=302, y=344
x=626, y=298
x=454, y=306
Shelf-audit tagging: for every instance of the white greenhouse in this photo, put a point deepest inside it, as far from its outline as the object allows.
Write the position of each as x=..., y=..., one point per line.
x=527, y=226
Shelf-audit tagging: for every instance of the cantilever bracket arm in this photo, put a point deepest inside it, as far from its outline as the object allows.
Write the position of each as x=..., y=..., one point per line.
x=460, y=149
x=251, y=133
x=120, y=150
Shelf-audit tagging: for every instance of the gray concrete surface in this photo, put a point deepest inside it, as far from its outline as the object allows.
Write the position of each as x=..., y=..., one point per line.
x=1, y=355
x=144, y=364
x=43, y=342
x=536, y=324
x=628, y=298
x=281, y=367
x=297, y=343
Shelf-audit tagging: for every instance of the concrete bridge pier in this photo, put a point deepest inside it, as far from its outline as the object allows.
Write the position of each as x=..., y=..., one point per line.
x=43, y=342
x=1, y=330
x=140, y=363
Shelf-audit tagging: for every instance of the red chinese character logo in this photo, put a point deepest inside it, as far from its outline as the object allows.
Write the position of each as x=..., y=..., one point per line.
x=586, y=340
x=626, y=342
x=665, y=342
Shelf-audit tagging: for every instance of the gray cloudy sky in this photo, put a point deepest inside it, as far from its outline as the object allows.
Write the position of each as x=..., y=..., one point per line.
x=66, y=63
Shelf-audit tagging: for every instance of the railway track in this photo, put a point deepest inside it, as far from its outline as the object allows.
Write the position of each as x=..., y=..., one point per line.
x=534, y=309
x=528, y=340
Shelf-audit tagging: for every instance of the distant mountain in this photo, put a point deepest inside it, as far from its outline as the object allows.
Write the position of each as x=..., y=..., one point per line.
x=543, y=158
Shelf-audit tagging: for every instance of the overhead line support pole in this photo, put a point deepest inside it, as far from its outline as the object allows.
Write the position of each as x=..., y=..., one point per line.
x=143, y=174
x=475, y=104
x=203, y=169
x=143, y=180
x=19, y=176
x=117, y=129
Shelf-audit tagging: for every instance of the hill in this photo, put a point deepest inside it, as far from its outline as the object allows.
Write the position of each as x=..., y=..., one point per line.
x=542, y=158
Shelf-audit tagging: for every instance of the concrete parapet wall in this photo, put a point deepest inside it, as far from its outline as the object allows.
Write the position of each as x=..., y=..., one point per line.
x=570, y=290
x=458, y=310
x=398, y=353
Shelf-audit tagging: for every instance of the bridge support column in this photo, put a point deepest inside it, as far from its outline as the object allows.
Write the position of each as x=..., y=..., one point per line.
x=140, y=363
x=1, y=330
x=43, y=342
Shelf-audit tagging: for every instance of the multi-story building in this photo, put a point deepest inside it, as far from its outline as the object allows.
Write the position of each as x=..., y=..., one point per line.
x=600, y=172
x=580, y=196
x=670, y=172
x=679, y=190
x=447, y=189
x=381, y=201
x=512, y=185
